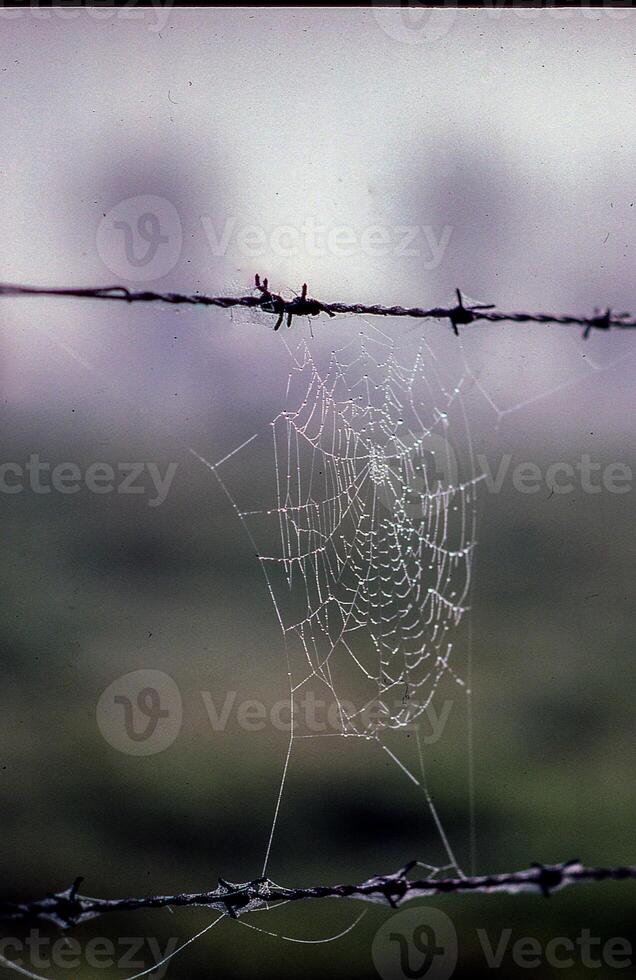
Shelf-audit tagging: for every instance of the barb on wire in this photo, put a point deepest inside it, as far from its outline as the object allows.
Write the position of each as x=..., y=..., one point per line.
x=304, y=305
x=68, y=908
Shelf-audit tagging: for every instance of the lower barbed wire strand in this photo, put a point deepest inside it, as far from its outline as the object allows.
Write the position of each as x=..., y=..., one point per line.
x=68, y=908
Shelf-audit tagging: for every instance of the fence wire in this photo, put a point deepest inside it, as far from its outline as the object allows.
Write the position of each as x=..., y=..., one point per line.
x=264, y=299
x=68, y=908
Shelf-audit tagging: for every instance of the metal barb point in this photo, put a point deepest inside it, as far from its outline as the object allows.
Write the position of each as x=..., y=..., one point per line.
x=461, y=314
x=302, y=305
x=550, y=877
x=601, y=321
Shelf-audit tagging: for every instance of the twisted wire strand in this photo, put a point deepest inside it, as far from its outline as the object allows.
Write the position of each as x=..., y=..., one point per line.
x=69, y=908
x=304, y=305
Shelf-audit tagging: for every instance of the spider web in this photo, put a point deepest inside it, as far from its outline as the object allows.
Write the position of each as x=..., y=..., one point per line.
x=367, y=537
x=374, y=564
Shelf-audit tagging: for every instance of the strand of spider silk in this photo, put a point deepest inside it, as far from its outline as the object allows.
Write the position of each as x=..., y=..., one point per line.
x=188, y=942
x=151, y=969
x=15, y=967
x=20, y=969
x=306, y=942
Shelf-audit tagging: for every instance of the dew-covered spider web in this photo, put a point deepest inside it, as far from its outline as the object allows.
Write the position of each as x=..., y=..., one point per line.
x=365, y=530
x=373, y=565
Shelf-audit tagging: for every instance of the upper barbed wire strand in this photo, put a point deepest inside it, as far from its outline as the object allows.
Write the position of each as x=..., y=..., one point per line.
x=304, y=305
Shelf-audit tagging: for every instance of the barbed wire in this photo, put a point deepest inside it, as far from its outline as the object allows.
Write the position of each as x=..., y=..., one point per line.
x=303, y=305
x=68, y=908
